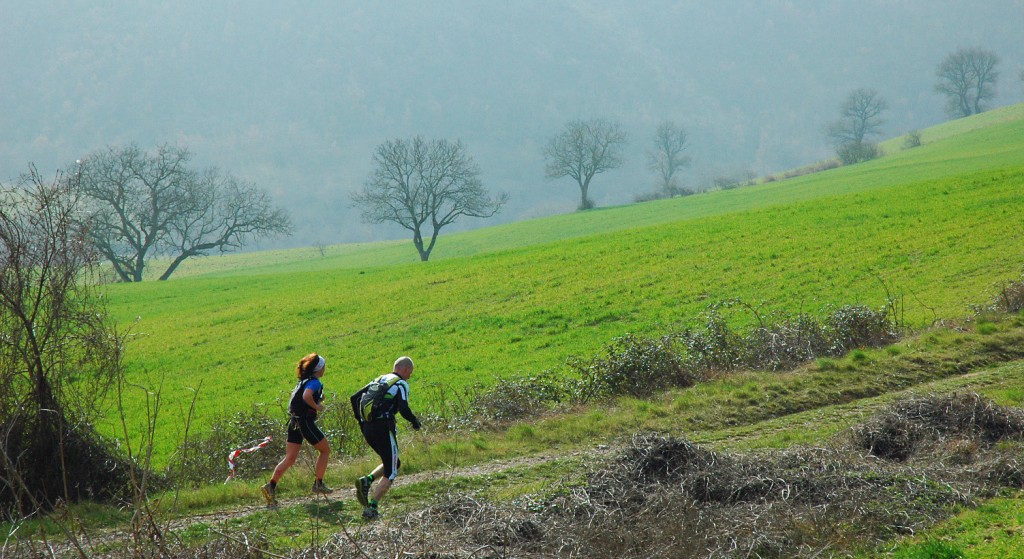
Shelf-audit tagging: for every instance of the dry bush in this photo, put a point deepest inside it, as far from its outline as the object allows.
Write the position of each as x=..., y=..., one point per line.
x=712, y=346
x=785, y=343
x=781, y=341
x=1008, y=300
x=203, y=459
x=912, y=140
x=852, y=326
x=665, y=497
x=810, y=169
x=898, y=432
x=59, y=354
x=641, y=367
x=634, y=366
x=1002, y=469
x=513, y=398
x=857, y=152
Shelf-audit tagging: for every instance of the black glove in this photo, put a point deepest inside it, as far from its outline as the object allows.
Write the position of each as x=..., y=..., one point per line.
x=416, y=426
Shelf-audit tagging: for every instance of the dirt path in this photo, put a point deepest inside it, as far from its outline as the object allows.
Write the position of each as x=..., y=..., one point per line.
x=343, y=489
x=342, y=492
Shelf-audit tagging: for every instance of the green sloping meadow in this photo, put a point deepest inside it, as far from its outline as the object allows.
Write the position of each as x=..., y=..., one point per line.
x=938, y=225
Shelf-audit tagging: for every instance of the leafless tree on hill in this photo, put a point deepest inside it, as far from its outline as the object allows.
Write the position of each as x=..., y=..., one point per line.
x=146, y=204
x=666, y=157
x=967, y=78
x=860, y=118
x=422, y=184
x=584, y=149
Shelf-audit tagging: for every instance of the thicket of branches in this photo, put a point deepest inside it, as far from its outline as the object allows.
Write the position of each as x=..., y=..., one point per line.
x=640, y=367
x=58, y=355
x=663, y=496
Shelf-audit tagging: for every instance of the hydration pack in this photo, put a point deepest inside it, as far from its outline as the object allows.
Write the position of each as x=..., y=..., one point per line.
x=373, y=397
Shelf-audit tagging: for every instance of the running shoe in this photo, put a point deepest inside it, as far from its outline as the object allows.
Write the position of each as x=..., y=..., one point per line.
x=370, y=512
x=319, y=487
x=270, y=494
x=363, y=490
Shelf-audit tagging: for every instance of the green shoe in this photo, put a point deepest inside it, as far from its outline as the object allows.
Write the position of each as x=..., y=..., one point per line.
x=363, y=491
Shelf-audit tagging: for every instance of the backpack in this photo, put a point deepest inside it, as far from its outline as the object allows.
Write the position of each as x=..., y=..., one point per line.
x=373, y=396
x=297, y=407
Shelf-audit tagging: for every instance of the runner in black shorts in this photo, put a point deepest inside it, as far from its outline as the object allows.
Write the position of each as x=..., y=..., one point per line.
x=380, y=433
x=303, y=405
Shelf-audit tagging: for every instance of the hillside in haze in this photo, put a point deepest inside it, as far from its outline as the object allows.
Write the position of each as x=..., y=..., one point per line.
x=296, y=96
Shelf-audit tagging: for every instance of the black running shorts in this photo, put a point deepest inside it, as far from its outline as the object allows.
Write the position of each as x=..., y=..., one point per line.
x=300, y=428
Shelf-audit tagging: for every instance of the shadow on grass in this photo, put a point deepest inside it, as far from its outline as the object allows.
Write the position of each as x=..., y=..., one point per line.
x=332, y=511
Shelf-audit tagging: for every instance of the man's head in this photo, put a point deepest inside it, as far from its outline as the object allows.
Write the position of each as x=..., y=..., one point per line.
x=403, y=367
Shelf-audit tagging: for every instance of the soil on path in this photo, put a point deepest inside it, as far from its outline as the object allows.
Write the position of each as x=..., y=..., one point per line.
x=346, y=490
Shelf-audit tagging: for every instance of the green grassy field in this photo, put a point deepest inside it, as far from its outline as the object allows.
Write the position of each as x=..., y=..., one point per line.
x=937, y=224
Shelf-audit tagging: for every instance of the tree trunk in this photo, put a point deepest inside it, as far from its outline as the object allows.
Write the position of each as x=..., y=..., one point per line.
x=173, y=266
x=585, y=203
x=417, y=239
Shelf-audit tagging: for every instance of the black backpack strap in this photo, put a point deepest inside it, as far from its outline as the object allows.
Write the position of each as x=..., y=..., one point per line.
x=355, y=399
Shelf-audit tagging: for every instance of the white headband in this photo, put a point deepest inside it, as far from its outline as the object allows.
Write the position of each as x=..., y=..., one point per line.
x=319, y=364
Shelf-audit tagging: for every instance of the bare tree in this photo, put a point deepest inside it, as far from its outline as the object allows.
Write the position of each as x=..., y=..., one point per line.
x=860, y=118
x=582, y=150
x=144, y=205
x=666, y=156
x=57, y=353
x=419, y=184
x=223, y=212
x=967, y=78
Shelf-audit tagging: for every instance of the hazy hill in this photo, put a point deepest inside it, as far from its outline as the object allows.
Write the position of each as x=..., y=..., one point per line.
x=296, y=96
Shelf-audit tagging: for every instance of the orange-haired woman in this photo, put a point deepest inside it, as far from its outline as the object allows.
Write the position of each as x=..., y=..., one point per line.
x=306, y=400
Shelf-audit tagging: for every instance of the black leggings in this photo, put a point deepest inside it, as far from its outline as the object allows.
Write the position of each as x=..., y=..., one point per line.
x=300, y=428
x=381, y=438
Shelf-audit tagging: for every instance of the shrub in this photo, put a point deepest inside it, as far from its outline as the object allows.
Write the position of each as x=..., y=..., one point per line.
x=857, y=152
x=650, y=196
x=516, y=398
x=781, y=341
x=635, y=366
x=785, y=342
x=1010, y=298
x=853, y=326
x=203, y=459
x=712, y=347
x=725, y=183
x=912, y=140
x=343, y=430
x=101, y=470
x=810, y=169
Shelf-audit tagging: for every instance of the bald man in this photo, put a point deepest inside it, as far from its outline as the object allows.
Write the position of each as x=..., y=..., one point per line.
x=379, y=429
